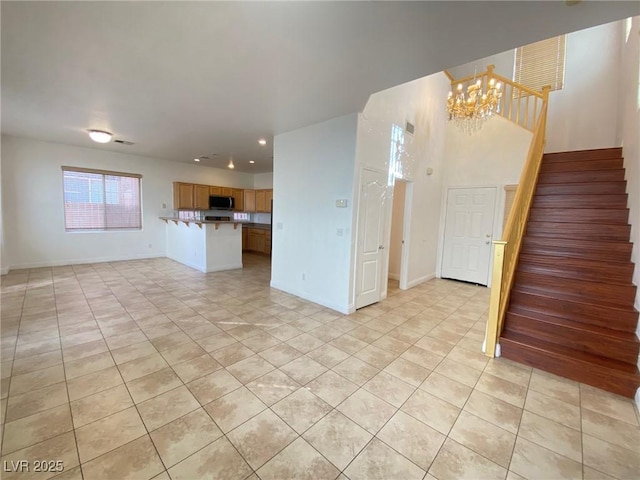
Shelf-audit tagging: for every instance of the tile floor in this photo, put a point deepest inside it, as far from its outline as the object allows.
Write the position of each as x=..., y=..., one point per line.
x=149, y=369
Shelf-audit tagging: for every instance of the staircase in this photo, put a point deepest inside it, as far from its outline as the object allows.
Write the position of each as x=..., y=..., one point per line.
x=571, y=306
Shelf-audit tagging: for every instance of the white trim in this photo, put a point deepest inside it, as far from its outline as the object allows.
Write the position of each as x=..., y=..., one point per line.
x=420, y=280
x=637, y=399
x=394, y=276
x=406, y=235
x=232, y=266
x=4, y=270
x=63, y=263
x=346, y=309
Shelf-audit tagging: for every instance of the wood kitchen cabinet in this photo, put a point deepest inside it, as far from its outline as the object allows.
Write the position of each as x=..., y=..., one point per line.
x=267, y=242
x=226, y=192
x=256, y=240
x=201, y=197
x=268, y=199
x=245, y=239
x=183, y=196
x=261, y=201
x=239, y=199
x=215, y=190
x=249, y=200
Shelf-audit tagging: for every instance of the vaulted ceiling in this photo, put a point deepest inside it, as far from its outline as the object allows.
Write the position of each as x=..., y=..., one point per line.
x=187, y=79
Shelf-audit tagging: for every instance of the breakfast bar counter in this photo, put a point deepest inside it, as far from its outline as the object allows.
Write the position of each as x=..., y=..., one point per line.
x=208, y=246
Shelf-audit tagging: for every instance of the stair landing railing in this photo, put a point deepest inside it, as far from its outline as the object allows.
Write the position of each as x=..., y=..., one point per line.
x=528, y=109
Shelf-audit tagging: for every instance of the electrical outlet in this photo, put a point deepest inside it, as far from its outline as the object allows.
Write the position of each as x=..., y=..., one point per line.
x=340, y=232
x=304, y=277
x=164, y=205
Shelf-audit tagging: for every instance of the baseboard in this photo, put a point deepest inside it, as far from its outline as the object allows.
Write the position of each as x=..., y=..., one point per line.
x=84, y=261
x=637, y=399
x=4, y=270
x=420, y=280
x=232, y=266
x=346, y=309
x=394, y=276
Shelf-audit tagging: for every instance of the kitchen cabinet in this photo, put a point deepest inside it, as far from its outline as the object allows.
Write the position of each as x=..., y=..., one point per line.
x=267, y=242
x=269, y=200
x=239, y=199
x=245, y=239
x=183, y=196
x=261, y=201
x=215, y=190
x=226, y=192
x=256, y=240
x=201, y=197
x=249, y=200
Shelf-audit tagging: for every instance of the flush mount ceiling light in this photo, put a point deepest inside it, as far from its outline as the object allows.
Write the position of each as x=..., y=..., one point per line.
x=262, y=141
x=196, y=159
x=100, y=136
x=231, y=165
x=251, y=161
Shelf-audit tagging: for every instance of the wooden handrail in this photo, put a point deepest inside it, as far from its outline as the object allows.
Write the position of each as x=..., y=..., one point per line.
x=507, y=250
x=516, y=102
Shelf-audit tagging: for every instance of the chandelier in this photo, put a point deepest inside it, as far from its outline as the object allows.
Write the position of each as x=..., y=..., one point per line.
x=470, y=109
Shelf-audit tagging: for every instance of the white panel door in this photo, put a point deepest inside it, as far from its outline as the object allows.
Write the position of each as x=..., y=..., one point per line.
x=467, y=234
x=370, y=250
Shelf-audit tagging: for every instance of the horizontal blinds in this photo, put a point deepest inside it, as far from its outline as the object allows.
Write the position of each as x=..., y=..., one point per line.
x=541, y=63
x=100, y=172
x=95, y=201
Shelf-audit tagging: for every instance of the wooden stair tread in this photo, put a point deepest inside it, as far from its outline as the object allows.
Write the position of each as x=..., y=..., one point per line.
x=577, y=290
x=585, y=301
x=571, y=201
x=615, y=175
x=582, y=165
x=610, y=188
x=604, y=216
x=596, y=153
x=594, y=231
x=598, y=340
x=610, y=250
x=573, y=324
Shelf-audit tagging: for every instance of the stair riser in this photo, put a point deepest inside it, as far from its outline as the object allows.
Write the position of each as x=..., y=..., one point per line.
x=625, y=321
x=581, y=166
x=595, y=154
x=624, y=351
x=576, y=252
x=581, y=177
x=620, y=296
x=580, y=215
x=616, y=275
x=595, y=188
x=580, y=201
x=618, y=233
x=594, y=375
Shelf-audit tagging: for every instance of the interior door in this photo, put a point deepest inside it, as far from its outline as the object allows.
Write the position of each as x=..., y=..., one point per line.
x=370, y=251
x=467, y=234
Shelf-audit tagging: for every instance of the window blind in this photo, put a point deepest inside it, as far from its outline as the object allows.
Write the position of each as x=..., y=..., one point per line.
x=101, y=200
x=541, y=63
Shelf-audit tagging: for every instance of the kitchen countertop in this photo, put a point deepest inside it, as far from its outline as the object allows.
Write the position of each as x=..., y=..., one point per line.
x=261, y=226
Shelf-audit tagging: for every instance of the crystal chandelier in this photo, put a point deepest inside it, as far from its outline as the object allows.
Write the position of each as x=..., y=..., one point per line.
x=470, y=109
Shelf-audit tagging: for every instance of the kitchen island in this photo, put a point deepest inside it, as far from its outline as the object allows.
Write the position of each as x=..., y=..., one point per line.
x=208, y=246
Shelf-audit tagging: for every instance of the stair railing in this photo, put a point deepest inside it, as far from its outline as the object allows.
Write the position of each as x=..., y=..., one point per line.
x=507, y=250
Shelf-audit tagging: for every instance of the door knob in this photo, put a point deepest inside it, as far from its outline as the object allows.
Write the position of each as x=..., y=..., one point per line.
x=381, y=247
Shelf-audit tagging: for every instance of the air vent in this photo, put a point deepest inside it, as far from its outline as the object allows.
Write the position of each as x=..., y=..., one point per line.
x=123, y=142
x=410, y=128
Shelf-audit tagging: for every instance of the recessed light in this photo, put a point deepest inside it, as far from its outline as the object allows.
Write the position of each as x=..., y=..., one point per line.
x=196, y=159
x=100, y=136
x=251, y=161
x=231, y=165
x=262, y=141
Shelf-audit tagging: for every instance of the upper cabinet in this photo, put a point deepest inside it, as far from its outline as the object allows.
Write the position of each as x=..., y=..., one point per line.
x=183, y=196
x=261, y=201
x=189, y=196
x=249, y=200
x=201, y=195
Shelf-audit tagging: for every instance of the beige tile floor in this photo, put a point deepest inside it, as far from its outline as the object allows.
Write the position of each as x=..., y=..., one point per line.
x=149, y=369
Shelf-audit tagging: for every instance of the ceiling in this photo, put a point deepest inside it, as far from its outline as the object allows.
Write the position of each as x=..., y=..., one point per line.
x=186, y=79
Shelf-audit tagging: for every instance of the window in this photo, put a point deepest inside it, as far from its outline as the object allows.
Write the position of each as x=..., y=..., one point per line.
x=541, y=63
x=99, y=200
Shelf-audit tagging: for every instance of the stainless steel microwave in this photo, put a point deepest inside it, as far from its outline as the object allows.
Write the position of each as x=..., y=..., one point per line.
x=217, y=202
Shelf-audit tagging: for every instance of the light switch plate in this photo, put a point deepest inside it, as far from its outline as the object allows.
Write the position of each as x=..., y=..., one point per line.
x=341, y=203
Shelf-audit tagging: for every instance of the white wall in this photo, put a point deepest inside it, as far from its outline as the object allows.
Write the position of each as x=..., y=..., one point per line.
x=629, y=131
x=584, y=114
x=422, y=103
x=314, y=166
x=397, y=223
x=4, y=261
x=33, y=203
x=263, y=180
